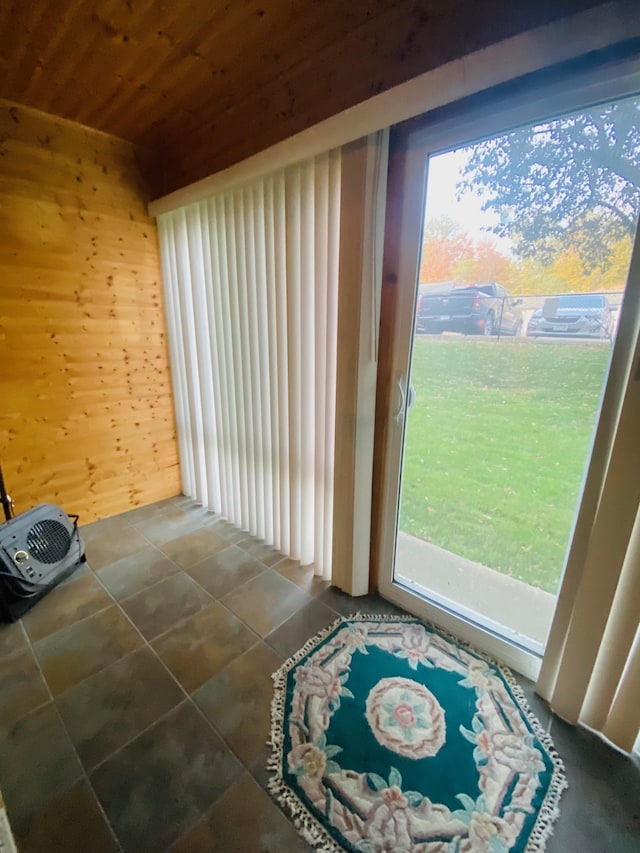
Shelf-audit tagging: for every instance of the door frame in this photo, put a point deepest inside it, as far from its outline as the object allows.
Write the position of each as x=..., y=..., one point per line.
x=544, y=95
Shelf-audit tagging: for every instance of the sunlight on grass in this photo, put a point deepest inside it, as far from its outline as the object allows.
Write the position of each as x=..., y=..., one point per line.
x=496, y=447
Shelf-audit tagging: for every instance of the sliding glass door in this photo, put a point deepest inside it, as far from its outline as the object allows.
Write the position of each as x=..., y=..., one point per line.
x=511, y=270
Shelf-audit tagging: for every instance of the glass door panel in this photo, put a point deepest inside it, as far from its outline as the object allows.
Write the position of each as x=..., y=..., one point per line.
x=525, y=253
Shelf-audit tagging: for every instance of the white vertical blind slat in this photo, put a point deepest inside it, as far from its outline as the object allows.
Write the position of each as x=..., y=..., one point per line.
x=308, y=260
x=216, y=357
x=251, y=280
x=229, y=440
x=209, y=483
x=321, y=243
x=261, y=332
x=185, y=295
x=237, y=374
x=244, y=254
x=281, y=332
x=293, y=251
x=271, y=337
x=189, y=468
x=332, y=353
x=168, y=260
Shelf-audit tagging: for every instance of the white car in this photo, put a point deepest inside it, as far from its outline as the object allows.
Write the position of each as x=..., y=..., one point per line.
x=579, y=315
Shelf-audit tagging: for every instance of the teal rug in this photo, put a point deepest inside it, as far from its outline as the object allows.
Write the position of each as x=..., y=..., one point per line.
x=390, y=737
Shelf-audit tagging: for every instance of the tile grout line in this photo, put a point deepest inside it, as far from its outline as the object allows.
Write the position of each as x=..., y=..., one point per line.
x=194, y=704
x=84, y=775
x=222, y=551
x=147, y=643
x=284, y=621
x=144, y=535
x=115, y=602
x=187, y=698
x=183, y=619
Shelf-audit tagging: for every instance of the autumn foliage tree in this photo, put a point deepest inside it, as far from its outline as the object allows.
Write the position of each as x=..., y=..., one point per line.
x=485, y=263
x=443, y=246
x=451, y=255
x=570, y=184
x=566, y=193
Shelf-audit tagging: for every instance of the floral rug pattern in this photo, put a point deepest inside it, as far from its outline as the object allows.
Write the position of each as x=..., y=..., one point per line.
x=389, y=736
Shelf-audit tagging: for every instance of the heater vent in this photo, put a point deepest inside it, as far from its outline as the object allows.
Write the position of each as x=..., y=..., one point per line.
x=48, y=541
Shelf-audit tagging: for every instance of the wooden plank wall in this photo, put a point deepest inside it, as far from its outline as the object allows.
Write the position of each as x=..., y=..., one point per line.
x=201, y=85
x=87, y=417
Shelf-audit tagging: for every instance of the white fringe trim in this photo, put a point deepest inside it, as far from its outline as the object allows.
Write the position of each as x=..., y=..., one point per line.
x=310, y=827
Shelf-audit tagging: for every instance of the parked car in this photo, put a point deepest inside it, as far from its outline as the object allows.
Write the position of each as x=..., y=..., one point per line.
x=477, y=309
x=579, y=315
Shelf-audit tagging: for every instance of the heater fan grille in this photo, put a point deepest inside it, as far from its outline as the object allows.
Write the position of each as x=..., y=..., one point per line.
x=48, y=541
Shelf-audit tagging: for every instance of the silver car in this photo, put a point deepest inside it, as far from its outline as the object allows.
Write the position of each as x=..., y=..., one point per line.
x=579, y=315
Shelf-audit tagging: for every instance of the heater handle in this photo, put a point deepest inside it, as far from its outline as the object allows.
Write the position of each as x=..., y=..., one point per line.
x=7, y=503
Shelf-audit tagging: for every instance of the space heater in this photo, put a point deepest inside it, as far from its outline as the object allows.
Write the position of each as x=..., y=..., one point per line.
x=38, y=549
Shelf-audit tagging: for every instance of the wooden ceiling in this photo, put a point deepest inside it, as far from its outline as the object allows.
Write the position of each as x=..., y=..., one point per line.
x=200, y=84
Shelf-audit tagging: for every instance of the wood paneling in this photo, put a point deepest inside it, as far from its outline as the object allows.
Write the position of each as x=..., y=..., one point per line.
x=201, y=85
x=87, y=415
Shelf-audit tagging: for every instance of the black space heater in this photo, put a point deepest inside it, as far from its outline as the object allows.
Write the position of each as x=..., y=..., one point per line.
x=38, y=549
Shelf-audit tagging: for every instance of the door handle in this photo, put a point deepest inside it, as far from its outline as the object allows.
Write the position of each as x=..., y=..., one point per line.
x=399, y=415
x=407, y=399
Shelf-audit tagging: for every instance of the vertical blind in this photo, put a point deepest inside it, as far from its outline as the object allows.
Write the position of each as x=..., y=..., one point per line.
x=591, y=668
x=251, y=290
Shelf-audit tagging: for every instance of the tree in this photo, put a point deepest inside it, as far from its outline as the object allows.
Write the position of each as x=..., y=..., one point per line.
x=485, y=263
x=443, y=245
x=571, y=182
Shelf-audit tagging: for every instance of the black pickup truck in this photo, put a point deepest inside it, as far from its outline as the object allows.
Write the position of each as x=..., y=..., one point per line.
x=476, y=309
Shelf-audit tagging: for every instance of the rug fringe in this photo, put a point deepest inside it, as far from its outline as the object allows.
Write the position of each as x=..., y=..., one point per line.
x=550, y=809
x=307, y=825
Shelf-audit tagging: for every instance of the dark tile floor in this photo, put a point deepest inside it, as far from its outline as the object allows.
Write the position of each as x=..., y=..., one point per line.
x=134, y=699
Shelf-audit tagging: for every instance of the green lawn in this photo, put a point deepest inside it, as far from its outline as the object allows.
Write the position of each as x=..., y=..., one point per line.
x=496, y=447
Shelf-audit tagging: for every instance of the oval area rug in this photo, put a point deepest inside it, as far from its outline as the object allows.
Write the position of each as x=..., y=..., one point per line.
x=389, y=736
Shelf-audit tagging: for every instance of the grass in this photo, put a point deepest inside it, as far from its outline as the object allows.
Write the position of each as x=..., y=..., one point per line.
x=496, y=447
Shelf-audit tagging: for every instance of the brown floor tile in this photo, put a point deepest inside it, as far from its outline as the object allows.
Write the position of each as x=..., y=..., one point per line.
x=12, y=639
x=142, y=513
x=159, y=607
x=76, y=652
x=238, y=701
x=81, y=570
x=266, y=601
x=110, y=547
x=136, y=572
x=302, y=576
x=65, y=605
x=226, y=827
x=199, y=647
x=177, y=778
x=37, y=762
x=159, y=785
x=599, y=812
x=111, y=707
x=173, y=522
x=71, y=822
x=192, y=547
x=223, y=572
x=230, y=532
x=265, y=553
x=347, y=605
x=116, y=526
x=22, y=687
x=300, y=627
